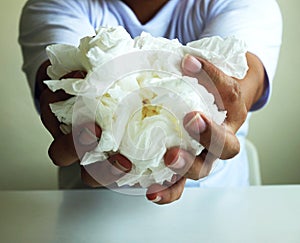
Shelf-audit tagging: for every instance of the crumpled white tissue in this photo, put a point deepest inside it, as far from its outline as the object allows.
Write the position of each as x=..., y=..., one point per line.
x=140, y=114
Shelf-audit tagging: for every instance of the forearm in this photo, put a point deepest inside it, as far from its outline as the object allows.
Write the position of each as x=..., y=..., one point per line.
x=252, y=86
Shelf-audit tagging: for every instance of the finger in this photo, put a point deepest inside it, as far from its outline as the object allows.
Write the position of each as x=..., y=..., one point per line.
x=161, y=194
x=197, y=67
x=88, y=180
x=68, y=149
x=106, y=172
x=50, y=122
x=48, y=118
x=75, y=74
x=185, y=164
x=226, y=90
x=174, y=179
x=219, y=140
x=203, y=70
x=47, y=97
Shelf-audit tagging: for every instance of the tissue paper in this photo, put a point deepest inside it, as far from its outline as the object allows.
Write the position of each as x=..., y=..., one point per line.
x=135, y=92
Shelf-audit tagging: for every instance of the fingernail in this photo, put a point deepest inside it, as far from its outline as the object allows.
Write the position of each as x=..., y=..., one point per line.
x=174, y=179
x=66, y=129
x=157, y=199
x=86, y=137
x=195, y=124
x=178, y=164
x=191, y=64
x=117, y=168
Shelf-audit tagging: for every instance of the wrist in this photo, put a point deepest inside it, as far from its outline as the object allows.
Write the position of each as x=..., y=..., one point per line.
x=253, y=85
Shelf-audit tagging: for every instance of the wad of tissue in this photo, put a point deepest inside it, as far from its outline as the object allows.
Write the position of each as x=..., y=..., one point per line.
x=135, y=91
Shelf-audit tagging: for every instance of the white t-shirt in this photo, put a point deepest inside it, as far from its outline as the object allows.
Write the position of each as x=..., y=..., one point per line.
x=258, y=22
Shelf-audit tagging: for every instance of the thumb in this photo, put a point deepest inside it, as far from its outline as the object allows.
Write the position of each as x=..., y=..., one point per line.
x=191, y=65
x=194, y=66
x=207, y=74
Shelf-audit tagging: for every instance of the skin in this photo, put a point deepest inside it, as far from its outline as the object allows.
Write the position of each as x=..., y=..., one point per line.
x=235, y=96
x=68, y=149
x=146, y=9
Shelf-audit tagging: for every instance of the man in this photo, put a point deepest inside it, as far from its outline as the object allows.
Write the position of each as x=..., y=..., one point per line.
x=257, y=22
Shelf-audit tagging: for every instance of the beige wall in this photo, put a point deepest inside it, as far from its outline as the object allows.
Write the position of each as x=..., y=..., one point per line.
x=24, y=141
x=275, y=129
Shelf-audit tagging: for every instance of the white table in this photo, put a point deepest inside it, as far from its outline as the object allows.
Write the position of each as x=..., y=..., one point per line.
x=255, y=214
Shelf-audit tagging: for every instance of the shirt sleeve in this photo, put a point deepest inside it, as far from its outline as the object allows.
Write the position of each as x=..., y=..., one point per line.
x=44, y=22
x=257, y=22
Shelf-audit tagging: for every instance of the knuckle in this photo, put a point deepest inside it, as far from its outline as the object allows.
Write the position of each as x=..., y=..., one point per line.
x=52, y=155
x=53, y=158
x=233, y=151
x=178, y=197
x=233, y=91
x=175, y=195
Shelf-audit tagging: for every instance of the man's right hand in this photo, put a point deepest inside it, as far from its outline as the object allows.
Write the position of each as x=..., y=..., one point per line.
x=67, y=149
